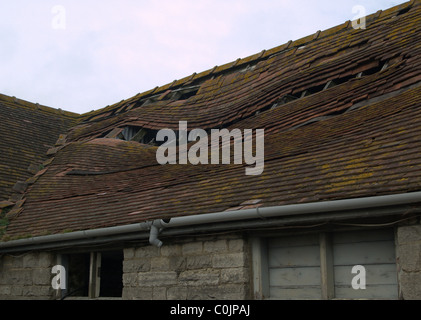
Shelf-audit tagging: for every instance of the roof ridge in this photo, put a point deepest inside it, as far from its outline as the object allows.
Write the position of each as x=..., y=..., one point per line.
x=255, y=58
x=37, y=106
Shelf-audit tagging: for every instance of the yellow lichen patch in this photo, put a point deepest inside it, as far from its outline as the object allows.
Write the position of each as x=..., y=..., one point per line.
x=326, y=166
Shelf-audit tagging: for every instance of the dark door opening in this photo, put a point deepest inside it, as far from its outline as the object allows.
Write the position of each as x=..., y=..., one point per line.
x=111, y=273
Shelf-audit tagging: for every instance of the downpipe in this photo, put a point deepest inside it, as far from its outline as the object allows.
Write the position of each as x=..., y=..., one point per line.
x=156, y=227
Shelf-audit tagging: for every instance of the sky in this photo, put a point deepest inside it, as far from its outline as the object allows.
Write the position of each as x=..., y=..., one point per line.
x=82, y=55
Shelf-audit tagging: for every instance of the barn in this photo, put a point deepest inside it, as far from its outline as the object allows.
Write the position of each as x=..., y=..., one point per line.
x=88, y=211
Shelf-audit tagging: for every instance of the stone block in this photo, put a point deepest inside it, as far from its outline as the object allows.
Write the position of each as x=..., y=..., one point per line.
x=159, y=293
x=410, y=257
x=138, y=293
x=41, y=292
x=17, y=291
x=3, y=279
x=171, y=250
x=199, y=262
x=137, y=265
x=42, y=276
x=177, y=293
x=5, y=290
x=160, y=264
x=199, y=277
x=215, y=246
x=158, y=279
x=129, y=279
x=147, y=252
x=236, y=245
x=172, y=263
x=410, y=286
x=129, y=253
x=46, y=260
x=229, y=260
x=192, y=248
x=222, y=292
x=20, y=277
x=234, y=275
x=177, y=264
x=7, y=262
x=409, y=234
x=17, y=262
x=30, y=260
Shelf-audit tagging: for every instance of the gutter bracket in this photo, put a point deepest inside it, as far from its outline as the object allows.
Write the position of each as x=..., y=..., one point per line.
x=259, y=214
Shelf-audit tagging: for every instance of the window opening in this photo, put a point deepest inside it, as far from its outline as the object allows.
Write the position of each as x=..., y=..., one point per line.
x=94, y=274
x=78, y=274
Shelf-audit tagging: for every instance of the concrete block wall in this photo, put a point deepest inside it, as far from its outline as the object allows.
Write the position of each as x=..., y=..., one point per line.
x=26, y=276
x=408, y=250
x=207, y=268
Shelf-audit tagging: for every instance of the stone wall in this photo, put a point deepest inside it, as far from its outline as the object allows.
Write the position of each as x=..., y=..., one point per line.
x=188, y=268
x=208, y=268
x=409, y=262
x=26, y=276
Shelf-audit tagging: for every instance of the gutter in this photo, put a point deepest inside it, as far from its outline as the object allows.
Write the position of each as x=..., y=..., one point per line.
x=290, y=210
x=251, y=216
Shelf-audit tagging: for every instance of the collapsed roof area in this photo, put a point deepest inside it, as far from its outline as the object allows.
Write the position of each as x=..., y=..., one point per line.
x=341, y=110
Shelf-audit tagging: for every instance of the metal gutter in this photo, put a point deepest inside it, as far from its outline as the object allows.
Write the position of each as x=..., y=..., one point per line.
x=254, y=216
x=292, y=210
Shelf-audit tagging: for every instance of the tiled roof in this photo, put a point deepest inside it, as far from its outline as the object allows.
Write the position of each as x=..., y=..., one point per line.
x=341, y=111
x=27, y=131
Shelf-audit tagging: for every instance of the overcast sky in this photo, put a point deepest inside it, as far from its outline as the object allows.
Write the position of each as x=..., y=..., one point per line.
x=82, y=55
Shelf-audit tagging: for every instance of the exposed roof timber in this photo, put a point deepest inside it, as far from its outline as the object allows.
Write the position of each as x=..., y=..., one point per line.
x=359, y=105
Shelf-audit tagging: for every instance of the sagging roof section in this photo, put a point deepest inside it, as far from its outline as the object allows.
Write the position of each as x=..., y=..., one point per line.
x=341, y=111
x=27, y=131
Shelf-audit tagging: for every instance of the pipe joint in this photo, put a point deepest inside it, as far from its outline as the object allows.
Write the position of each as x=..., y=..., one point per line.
x=156, y=227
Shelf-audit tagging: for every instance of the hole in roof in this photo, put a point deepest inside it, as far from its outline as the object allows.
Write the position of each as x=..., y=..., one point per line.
x=403, y=11
x=185, y=93
x=145, y=102
x=138, y=134
x=373, y=70
x=321, y=87
x=248, y=68
x=188, y=95
x=178, y=94
x=132, y=133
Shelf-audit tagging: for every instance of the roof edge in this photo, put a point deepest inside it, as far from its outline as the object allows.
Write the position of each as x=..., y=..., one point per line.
x=292, y=211
x=37, y=106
